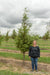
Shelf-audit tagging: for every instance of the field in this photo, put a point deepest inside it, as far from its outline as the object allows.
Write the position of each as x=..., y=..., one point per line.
x=3, y=72
x=43, y=44
x=11, y=59
x=20, y=56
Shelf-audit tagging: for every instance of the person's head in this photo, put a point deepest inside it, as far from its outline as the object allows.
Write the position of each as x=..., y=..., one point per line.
x=34, y=42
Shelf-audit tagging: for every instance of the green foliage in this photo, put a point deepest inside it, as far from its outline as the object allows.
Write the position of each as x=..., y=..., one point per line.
x=14, y=34
x=46, y=36
x=1, y=38
x=23, y=43
x=44, y=45
x=35, y=37
x=7, y=36
x=24, y=40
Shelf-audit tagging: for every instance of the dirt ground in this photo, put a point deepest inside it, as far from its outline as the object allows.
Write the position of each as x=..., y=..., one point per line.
x=17, y=66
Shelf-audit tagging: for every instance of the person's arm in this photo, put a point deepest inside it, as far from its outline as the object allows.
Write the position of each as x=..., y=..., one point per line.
x=29, y=51
x=39, y=51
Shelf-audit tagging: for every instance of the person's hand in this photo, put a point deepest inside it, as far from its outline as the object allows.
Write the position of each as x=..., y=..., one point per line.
x=38, y=57
x=29, y=56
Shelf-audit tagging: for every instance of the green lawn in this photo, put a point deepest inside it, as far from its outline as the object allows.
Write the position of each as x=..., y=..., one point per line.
x=20, y=56
x=6, y=72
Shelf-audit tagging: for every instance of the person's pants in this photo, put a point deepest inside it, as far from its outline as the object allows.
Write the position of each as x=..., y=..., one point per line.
x=34, y=62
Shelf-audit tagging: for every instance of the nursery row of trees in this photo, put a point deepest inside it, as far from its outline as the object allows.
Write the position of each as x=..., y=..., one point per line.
x=23, y=39
x=15, y=34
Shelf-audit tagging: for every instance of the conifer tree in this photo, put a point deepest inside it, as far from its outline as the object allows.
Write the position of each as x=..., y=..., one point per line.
x=24, y=40
x=14, y=34
x=7, y=36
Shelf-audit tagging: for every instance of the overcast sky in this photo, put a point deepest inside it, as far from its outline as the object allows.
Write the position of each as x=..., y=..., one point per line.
x=11, y=12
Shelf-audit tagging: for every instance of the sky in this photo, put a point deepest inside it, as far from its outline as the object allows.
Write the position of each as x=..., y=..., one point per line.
x=11, y=12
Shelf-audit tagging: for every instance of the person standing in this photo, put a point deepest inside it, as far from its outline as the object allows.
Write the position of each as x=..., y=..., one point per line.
x=34, y=54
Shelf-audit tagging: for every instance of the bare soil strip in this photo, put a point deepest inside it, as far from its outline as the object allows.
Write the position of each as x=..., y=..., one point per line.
x=43, y=54
x=18, y=65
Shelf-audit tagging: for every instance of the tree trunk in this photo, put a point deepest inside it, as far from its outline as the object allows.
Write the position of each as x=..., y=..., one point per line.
x=23, y=58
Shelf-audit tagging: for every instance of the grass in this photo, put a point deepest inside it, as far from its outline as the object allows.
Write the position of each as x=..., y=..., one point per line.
x=48, y=51
x=20, y=56
x=6, y=72
x=44, y=47
x=12, y=48
x=11, y=45
x=43, y=44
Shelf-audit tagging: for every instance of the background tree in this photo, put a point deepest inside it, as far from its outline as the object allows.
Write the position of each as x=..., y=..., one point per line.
x=36, y=37
x=14, y=34
x=24, y=40
x=7, y=36
x=46, y=36
x=1, y=38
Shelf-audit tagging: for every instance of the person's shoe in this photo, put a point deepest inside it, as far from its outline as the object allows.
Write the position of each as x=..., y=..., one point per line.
x=36, y=70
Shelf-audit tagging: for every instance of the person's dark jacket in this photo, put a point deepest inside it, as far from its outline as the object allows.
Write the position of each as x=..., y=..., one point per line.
x=34, y=51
